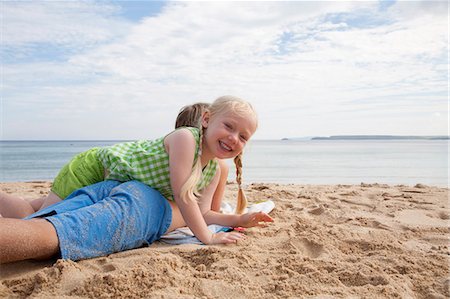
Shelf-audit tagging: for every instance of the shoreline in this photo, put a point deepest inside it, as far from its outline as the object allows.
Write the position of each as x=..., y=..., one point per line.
x=45, y=182
x=343, y=240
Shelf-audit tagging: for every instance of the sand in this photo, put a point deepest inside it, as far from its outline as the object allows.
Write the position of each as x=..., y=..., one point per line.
x=330, y=241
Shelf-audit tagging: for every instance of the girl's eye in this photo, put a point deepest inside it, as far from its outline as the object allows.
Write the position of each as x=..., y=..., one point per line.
x=228, y=125
x=243, y=138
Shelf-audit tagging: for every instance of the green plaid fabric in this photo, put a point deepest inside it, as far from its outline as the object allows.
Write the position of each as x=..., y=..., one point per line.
x=148, y=162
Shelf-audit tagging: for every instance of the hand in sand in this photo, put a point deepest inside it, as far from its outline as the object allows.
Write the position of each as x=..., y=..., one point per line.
x=259, y=219
x=226, y=238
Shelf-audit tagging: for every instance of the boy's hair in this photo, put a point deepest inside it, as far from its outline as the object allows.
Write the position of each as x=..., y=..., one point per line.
x=224, y=104
x=191, y=115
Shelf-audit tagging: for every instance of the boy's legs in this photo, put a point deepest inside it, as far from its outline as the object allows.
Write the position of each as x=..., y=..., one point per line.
x=27, y=239
x=51, y=199
x=83, y=170
x=97, y=220
x=81, y=198
x=14, y=206
x=130, y=216
x=36, y=238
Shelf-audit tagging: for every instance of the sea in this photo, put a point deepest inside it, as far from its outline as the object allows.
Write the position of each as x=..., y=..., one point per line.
x=395, y=162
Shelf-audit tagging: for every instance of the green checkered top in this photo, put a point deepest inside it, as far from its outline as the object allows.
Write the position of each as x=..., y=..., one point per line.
x=148, y=162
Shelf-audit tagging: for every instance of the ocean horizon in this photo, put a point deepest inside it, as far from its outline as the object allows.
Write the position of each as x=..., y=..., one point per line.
x=303, y=161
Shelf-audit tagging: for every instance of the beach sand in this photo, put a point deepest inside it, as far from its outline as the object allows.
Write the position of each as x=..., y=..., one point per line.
x=329, y=241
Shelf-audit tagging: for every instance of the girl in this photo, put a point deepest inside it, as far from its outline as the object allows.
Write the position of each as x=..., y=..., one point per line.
x=191, y=116
x=178, y=165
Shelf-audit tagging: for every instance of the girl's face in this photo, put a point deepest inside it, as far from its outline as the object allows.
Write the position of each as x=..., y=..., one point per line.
x=226, y=134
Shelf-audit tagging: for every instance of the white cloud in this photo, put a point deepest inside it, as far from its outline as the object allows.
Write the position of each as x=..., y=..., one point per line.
x=306, y=74
x=59, y=22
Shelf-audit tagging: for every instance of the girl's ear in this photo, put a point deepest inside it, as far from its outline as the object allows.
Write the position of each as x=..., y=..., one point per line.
x=205, y=119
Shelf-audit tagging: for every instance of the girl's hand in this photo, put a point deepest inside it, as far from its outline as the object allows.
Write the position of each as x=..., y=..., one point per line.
x=254, y=219
x=226, y=238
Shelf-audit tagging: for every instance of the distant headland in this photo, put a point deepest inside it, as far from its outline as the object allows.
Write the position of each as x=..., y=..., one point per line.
x=372, y=137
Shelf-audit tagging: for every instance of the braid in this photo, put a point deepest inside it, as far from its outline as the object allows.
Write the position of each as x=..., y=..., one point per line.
x=238, y=163
x=241, y=199
x=189, y=189
x=200, y=145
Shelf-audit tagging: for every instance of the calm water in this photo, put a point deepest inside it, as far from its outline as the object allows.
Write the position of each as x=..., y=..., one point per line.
x=304, y=162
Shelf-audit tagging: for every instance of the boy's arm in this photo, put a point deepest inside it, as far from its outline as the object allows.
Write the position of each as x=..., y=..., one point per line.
x=244, y=220
x=213, y=217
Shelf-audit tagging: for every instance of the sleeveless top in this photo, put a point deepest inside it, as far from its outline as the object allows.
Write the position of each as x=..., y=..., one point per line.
x=148, y=162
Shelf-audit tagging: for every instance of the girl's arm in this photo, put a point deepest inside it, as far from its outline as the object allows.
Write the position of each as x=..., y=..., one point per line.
x=220, y=189
x=181, y=148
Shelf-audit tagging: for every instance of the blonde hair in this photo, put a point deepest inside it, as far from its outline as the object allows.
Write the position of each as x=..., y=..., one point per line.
x=241, y=198
x=224, y=104
x=191, y=116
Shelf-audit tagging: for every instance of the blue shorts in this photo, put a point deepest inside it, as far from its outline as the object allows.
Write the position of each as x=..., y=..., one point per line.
x=108, y=217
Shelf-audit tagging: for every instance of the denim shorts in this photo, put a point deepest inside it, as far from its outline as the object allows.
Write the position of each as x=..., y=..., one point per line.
x=83, y=170
x=108, y=217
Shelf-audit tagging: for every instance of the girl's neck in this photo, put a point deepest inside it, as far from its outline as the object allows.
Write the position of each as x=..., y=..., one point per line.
x=206, y=154
x=206, y=157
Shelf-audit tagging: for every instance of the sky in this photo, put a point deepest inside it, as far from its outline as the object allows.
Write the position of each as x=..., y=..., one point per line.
x=121, y=70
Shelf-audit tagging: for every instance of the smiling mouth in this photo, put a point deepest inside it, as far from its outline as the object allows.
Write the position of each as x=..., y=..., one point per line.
x=224, y=146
